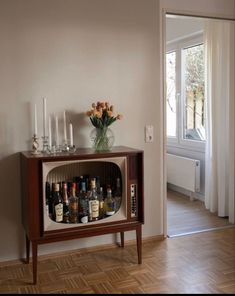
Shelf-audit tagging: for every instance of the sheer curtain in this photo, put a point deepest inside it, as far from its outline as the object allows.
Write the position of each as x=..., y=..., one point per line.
x=220, y=111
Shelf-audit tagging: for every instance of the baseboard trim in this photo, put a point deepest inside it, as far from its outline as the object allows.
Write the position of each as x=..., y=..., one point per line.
x=81, y=251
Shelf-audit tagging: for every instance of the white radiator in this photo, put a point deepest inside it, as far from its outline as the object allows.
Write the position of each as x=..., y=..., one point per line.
x=183, y=172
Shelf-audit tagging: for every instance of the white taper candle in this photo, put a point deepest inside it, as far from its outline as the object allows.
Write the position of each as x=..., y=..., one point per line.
x=65, y=129
x=35, y=120
x=49, y=132
x=71, y=133
x=44, y=116
x=57, y=131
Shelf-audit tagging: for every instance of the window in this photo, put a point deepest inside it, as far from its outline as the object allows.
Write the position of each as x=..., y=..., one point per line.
x=185, y=87
x=193, y=78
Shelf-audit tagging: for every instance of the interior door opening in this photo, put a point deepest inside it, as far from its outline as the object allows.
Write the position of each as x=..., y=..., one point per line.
x=185, y=117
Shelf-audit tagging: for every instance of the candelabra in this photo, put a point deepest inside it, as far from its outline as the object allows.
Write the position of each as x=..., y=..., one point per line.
x=68, y=147
x=72, y=149
x=65, y=147
x=45, y=145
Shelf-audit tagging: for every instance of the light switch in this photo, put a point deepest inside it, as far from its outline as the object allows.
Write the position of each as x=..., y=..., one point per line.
x=148, y=133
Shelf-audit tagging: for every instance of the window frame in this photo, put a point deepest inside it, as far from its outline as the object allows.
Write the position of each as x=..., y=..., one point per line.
x=174, y=139
x=178, y=46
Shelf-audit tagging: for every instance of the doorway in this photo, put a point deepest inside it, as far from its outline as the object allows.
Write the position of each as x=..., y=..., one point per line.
x=185, y=118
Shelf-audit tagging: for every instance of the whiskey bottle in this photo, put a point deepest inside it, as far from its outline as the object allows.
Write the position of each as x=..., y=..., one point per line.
x=73, y=205
x=83, y=204
x=97, y=180
x=57, y=204
x=65, y=204
x=93, y=202
x=110, y=204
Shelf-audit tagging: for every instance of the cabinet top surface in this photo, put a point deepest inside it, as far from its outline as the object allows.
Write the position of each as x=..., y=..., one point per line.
x=82, y=152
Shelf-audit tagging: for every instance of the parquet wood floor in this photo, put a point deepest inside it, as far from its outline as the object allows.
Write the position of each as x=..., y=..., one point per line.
x=185, y=216
x=198, y=263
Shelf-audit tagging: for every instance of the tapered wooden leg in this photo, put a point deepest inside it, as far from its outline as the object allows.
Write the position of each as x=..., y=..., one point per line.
x=122, y=239
x=139, y=243
x=35, y=260
x=27, y=241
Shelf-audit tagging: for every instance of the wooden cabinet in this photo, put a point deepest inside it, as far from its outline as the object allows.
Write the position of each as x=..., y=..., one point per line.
x=36, y=169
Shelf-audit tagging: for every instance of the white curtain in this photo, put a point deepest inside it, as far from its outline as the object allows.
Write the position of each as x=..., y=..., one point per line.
x=220, y=113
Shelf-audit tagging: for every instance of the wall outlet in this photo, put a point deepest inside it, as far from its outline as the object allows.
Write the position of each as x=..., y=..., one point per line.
x=148, y=133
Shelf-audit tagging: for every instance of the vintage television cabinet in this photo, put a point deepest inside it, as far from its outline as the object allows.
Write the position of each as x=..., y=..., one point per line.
x=124, y=162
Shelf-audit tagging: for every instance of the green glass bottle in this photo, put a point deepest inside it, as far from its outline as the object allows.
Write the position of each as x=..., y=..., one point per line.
x=65, y=204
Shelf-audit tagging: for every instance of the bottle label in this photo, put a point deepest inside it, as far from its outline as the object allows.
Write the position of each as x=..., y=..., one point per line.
x=74, y=206
x=59, y=212
x=95, y=208
x=101, y=204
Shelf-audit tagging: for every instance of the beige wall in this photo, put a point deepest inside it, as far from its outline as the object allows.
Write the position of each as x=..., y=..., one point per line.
x=75, y=52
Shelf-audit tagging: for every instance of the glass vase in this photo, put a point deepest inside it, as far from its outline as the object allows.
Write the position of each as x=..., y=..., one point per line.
x=102, y=139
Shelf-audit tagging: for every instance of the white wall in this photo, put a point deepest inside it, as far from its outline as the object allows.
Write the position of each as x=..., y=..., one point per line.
x=75, y=52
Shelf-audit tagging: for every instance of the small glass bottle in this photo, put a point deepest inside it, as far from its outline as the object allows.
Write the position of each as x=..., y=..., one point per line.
x=101, y=204
x=118, y=194
x=65, y=204
x=48, y=199
x=57, y=204
x=93, y=202
x=83, y=204
x=73, y=205
x=110, y=204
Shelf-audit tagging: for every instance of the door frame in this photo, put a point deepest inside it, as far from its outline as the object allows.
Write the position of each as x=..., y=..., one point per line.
x=163, y=13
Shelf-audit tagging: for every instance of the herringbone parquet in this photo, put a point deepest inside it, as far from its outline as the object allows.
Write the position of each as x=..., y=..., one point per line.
x=199, y=263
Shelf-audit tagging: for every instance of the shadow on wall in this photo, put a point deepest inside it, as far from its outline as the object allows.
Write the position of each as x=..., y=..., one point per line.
x=10, y=210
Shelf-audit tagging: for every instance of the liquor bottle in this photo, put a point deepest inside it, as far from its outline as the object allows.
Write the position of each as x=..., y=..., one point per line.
x=57, y=207
x=48, y=199
x=78, y=181
x=97, y=179
x=83, y=204
x=93, y=202
x=69, y=187
x=73, y=205
x=86, y=179
x=110, y=204
x=101, y=204
x=118, y=194
x=65, y=204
